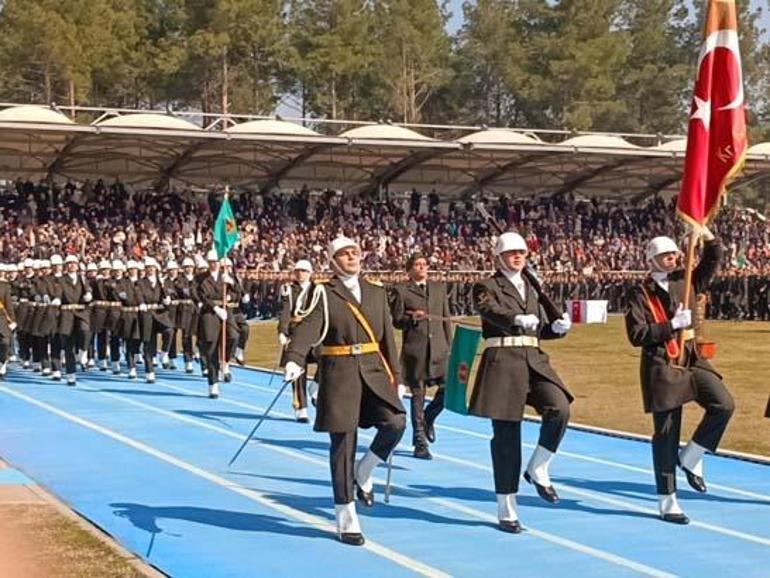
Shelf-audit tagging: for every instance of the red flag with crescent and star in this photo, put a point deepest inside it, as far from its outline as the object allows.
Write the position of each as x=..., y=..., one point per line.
x=716, y=135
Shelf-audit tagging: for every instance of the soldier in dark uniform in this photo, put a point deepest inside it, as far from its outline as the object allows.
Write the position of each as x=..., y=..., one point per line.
x=153, y=317
x=241, y=297
x=420, y=309
x=12, y=277
x=52, y=315
x=170, y=288
x=514, y=372
x=213, y=313
x=101, y=307
x=74, y=319
x=127, y=291
x=359, y=382
x=295, y=299
x=7, y=323
x=114, y=321
x=25, y=313
x=187, y=310
x=654, y=318
x=39, y=325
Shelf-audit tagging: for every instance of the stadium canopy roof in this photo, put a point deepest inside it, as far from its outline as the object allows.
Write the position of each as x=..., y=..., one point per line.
x=155, y=149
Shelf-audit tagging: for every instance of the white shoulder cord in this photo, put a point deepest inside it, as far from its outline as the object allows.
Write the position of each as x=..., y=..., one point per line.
x=319, y=294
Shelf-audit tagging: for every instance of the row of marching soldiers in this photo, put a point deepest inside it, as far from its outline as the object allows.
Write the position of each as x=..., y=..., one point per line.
x=97, y=314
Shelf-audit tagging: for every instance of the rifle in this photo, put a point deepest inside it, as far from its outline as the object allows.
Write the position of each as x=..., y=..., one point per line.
x=552, y=312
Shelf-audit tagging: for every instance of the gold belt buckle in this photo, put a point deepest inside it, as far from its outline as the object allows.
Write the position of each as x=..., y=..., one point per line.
x=356, y=349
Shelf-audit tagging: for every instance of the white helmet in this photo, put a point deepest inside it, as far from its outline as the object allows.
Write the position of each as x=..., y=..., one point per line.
x=151, y=262
x=68, y=259
x=212, y=256
x=200, y=262
x=171, y=265
x=118, y=265
x=303, y=265
x=339, y=243
x=92, y=267
x=660, y=245
x=510, y=242
x=132, y=264
x=188, y=262
x=29, y=263
x=45, y=263
x=105, y=264
x=56, y=260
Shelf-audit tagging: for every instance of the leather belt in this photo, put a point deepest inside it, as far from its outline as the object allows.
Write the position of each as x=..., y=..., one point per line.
x=102, y=303
x=131, y=309
x=23, y=300
x=154, y=307
x=355, y=349
x=73, y=307
x=512, y=341
x=181, y=302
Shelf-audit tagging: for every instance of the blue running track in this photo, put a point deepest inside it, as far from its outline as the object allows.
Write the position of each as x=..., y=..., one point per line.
x=148, y=464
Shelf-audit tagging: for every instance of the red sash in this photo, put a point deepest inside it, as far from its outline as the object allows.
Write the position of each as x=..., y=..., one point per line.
x=659, y=315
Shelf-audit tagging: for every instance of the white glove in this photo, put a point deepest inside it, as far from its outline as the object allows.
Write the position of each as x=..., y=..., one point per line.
x=221, y=312
x=283, y=339
x=46, y=299
x=527, y=322
x=561, y=326
x=143, y=307
x=11, y=326
x=682, y=318
x=56, y=302
x=122, y=296
x=167, y=300
x=292, y=371
x=246, y=298
x=312, y=389
x=402, y=391
x=88, y=297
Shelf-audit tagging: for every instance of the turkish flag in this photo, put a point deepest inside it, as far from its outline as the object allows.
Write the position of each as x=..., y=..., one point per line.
x=716, y=135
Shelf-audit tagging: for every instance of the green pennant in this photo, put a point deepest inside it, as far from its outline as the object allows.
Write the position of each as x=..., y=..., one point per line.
x=464, y=346
x=226, y=233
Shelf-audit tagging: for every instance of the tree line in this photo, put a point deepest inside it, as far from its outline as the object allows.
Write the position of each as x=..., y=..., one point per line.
x=610, y=65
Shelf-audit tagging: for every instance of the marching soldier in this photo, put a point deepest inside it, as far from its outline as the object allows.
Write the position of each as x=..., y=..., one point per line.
x=170, y=289
x=52, y=314
x=187, y=310
x=241, y=297
x=654, y=318
x=114, y=321
x=421, y=310
x=101, y=308
x=25, y=313
x=359, y=384
x=153, y=317
x=515, y=372
x=213, y=313
x=74, y=319
x=127, y=291
x=7, y=324
x=295, y=297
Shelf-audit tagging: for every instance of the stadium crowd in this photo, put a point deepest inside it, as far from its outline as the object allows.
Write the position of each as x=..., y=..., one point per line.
x=584, y=248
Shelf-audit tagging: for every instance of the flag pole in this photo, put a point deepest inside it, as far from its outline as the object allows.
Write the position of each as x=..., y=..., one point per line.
x=224, y=300
x=688, y=267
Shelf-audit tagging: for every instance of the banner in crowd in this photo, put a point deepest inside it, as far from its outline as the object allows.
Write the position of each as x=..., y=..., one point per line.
x=716, y=134
x=464, y=346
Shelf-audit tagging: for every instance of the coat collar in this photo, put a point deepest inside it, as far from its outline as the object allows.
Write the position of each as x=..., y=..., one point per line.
x=508, y=288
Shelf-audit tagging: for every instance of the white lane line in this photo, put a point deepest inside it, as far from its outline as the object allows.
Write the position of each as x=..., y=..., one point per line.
x=289, y=512
x=555, y=539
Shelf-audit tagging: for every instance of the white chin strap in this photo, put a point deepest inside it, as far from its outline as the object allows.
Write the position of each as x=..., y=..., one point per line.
x=342, y=274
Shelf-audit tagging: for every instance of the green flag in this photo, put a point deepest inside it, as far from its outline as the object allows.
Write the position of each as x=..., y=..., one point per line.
x=464, y=347
x=226, y=233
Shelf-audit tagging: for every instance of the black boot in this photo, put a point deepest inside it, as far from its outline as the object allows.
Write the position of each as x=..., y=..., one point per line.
x=419, y=440
x=432, y=412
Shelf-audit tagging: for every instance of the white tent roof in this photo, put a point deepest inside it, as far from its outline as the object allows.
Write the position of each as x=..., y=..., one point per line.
x=153, y=149
x=33, y=113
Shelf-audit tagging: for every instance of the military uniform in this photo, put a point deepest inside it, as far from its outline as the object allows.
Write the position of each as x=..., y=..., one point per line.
x=667, y=386
x=74, y=320
x=25, y=313
x=127, y=292
x=210, y=292
x=101, y=308
x=186, y=315
x=293, y=297
x=153, y=320
x=424, y=351
x=358, y=386
x=514, y=371
x=7, y=322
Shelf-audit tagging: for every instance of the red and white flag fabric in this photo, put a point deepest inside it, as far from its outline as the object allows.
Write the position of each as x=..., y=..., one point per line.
x=716, y=135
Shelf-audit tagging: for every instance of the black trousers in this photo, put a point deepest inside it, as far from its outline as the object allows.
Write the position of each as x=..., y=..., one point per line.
x=712, y=396
x=421, y=415
x=150, y=346
x=187, y=345
x=132, y=348
x=115, y=341
x=74, y=341
x=57, y=346
x=40, y=350
x=26, y=346
x=211, y=351
x=168, y=344
x=342, y=453
x=103, y=338
x=299, y=392
x=553, y=406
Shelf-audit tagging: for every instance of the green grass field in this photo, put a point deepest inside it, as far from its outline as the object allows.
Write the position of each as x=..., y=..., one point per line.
x=602, y=371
